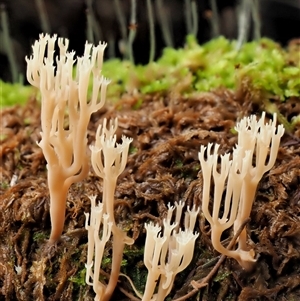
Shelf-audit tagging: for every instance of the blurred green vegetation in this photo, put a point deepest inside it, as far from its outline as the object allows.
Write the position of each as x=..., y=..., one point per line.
x=11, y=94
x=263, y=66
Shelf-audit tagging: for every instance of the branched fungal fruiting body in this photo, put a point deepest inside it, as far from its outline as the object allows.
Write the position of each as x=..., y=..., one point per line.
x=240, y=178
x=168, y=251
x=64, y=101
x=109, y=160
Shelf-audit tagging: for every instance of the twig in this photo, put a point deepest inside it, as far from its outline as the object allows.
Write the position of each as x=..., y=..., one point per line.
x=152, y=31
x=94, y=32
x=244, y=14
x=194, y=18
x=132, y=30
x=89, y=26
x=164, y=20
x=256, y=20
x=202, y=283
x=44, y=19
x=129, y=295
x=214, y=19
x=10, y=51
x=188, y=15
x=210, y=263
x=122, y=22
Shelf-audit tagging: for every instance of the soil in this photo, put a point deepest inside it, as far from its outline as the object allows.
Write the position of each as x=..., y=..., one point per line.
x=162, y=168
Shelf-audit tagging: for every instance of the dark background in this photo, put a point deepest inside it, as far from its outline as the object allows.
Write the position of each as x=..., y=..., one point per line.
x=280, y=20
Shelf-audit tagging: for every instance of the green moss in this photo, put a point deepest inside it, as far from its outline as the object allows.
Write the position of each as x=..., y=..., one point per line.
x=79, y=278
x=178, y=163
x=106, y=261
x=196, y=167
x=138, y=104
x=4, y=185
x=138, y=274
x=3, y=137
x=265, y=66
x=270, y=72
x=117, y=71
x=221, y=276
x=132, y=252
x=27, y=121
x=40, y=236
x=262, y=68
x=11, y=94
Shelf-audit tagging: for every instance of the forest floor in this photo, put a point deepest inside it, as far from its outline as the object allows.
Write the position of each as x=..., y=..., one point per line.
x=162, y=168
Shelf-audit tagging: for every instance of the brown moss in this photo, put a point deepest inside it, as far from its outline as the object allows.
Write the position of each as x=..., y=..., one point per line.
x=162, y=168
